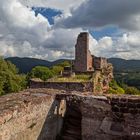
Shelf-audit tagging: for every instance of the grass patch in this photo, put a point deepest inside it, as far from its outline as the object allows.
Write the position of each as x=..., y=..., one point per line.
x=76, y=78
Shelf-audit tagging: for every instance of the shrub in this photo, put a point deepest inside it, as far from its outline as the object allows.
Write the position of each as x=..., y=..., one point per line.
x=56, y=70
x=132, y=91
x=114, y=88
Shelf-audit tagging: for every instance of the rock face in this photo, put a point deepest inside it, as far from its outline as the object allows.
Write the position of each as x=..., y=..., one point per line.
x=46, y=114
x=101, y=79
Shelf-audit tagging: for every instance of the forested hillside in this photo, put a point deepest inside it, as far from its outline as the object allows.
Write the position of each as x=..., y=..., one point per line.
x=122, y=65
x=26, y=64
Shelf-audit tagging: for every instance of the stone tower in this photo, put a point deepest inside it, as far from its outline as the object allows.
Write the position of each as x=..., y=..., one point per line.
x=83, y=57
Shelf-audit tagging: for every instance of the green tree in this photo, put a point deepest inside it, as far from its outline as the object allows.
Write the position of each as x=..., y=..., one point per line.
x=41, y=72
x=10, y=80
x=65, y=63
x=56, y=70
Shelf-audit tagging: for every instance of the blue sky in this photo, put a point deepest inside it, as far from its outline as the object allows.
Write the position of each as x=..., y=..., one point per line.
x=106, y=31
x=50, y=14
x=47, y=12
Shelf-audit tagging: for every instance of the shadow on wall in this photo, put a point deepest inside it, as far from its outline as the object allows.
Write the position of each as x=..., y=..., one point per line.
x=53, y=122
x=71, y=129
x=63, y=122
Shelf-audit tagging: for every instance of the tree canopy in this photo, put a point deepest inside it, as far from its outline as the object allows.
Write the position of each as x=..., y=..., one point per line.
x=46, y=73
x=10, y=80
x=41, y=72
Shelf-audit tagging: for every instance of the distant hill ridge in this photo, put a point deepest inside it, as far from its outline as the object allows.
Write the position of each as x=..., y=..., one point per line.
x=26, y=64
x=122, y=65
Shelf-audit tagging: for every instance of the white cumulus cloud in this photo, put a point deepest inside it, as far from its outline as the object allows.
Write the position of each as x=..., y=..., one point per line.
x=126, y=46
x=26, y=35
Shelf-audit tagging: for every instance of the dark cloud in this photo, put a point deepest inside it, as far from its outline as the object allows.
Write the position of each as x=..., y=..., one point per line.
x=99, y=13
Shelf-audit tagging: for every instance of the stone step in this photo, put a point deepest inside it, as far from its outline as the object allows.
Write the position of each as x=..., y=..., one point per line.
x=72, y=124
x=70, y=138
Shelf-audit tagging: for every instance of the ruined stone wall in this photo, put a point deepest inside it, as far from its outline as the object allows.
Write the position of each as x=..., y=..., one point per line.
x=83, y=58
x=99, y=62
x=29, y=116
x=89, y=62
x=102, y=118
x=68, y=86
x=38, y=115
x=111, y=118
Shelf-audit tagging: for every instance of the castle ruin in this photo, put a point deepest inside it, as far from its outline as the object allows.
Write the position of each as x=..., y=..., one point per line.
x=84, y=60
x=99, y=70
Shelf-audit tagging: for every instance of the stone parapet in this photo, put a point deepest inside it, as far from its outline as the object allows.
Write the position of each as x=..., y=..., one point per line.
x=38, y=114
x=68, y=86
x=116, y=117
x=29, y=115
